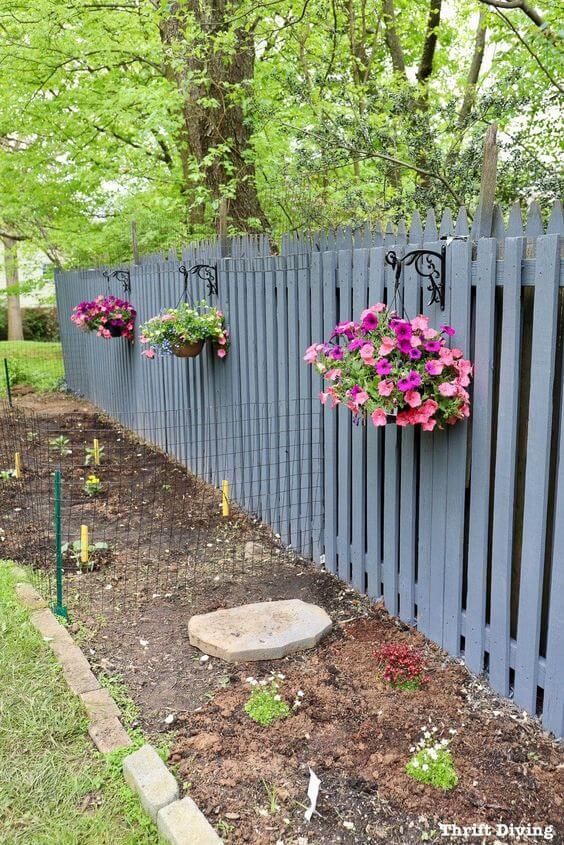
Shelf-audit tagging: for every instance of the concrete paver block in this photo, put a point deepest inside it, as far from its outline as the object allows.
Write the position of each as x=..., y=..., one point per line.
x=145, y=772
x=109, y=735
x=48, y=626
x=29, y=596
x=182, y=823
x=261, y=631
x=99, y=705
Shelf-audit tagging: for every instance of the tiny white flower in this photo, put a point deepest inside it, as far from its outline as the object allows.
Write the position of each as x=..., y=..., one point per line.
x=415, y=764
x=427, y=735
x=452, y=731
x=425, y=767
x=277, y=698
x=412, y=749
x=432, y=754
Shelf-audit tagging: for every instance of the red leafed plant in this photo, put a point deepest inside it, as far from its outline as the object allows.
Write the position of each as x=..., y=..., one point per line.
x=403, y=666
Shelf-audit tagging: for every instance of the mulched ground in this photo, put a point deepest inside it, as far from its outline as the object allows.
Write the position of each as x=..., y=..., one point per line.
x=352, y=730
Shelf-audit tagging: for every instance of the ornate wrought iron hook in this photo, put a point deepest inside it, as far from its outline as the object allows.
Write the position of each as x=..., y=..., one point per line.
x=429, y=264
x=123, y=276
x=208, y=273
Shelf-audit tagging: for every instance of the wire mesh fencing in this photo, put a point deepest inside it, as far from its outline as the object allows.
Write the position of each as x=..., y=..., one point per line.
x=29, y=365
x=136, y=523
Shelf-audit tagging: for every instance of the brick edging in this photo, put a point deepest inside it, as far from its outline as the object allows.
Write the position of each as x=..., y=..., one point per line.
x=179, y=821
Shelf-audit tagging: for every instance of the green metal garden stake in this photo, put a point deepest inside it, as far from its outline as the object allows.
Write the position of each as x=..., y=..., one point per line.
x=59, y=608
x=8, y=387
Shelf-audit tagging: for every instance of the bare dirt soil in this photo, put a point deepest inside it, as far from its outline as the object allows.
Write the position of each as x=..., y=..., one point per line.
x=172, y=556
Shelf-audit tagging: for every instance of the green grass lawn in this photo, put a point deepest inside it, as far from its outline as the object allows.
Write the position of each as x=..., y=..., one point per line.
x=55, y=789
x=33, y=363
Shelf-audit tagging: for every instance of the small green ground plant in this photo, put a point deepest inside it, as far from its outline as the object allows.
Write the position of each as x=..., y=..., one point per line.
x=93, y=485
x=61, y=445
x=432, y=761
x=74, y=550
x=265, y=704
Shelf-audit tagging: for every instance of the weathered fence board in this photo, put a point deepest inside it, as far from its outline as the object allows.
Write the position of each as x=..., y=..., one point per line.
x=443, y=526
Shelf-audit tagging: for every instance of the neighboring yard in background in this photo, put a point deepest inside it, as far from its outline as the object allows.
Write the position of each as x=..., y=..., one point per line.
x=32, y=363
x=54, y=787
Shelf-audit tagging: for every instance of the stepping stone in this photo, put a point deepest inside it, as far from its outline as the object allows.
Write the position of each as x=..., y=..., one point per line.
x=263, y=631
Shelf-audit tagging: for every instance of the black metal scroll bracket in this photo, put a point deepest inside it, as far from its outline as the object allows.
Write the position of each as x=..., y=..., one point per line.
x=429, y=264
x=207, y=272
x=123, y=276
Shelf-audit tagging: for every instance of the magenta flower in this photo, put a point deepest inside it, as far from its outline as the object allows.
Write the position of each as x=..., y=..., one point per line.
x=337, y=353
x=404, y=346
x=402, y=329
x=414, y=378
x=415, y=354
x=370, y=322
x=404, y=385
x=432, y=346
x=355, y=344
x=448, y=330
x=383, y=367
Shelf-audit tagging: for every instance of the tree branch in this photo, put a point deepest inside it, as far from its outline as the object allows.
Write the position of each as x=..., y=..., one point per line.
x=531, y=51
x=474, y=71
x=392, y=39
x=527, y=10
x=430, y=44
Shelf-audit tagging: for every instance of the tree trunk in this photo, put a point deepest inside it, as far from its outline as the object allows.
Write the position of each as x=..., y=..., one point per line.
x=15, y=326
x=210, y=81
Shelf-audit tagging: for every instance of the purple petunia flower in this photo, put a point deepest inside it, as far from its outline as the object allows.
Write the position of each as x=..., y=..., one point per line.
x=356, y=344
x=404, y=346
x=383, y=367
x=370, y=322
x=414, y=378
x=415, y=354
x=404, y=385
x=402, y=330
x=337, y=353
x=432, y=346
x=448, y=330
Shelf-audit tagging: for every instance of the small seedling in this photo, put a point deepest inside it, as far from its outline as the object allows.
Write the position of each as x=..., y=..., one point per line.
x=75, y=548
x=272, y=795
x=31, y=436
x=432, y=762
x=61, y=444
x=93, y=485
x=266, y=704
x=7, y=474
x=92, y=454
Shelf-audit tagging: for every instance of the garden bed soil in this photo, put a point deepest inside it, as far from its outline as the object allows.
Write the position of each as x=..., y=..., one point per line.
x=352, y=730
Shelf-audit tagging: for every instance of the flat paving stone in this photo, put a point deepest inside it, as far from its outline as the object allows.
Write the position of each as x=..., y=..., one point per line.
x=99, y=705
x=261, y=631
x=183, y=823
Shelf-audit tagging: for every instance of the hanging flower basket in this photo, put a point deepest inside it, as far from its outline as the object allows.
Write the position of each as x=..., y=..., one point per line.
x=394, y=370
x=183, y=331
x=108, y=316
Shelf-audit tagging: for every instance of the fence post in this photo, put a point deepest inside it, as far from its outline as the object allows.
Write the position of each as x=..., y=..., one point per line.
x=8, y=387
x=59, y=608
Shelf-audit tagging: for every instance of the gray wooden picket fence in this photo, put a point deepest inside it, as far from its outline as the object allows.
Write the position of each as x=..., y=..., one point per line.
x=461, y=532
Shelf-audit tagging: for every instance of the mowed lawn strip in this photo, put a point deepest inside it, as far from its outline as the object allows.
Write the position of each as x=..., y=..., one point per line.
x=55, y=789
x=38, y=364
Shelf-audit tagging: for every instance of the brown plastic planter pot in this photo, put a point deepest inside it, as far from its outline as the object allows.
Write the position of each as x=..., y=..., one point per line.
x=188, y=350
x=115, y=331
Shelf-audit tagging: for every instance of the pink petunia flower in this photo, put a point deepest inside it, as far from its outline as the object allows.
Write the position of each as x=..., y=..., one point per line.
x=148, y=353
x=385, y=387
x=378, y=417
x=420, y=323
x=434, y=368
x=367, y=352
x=221, y=353
x=428, y=425
x=413, y=398
x=447, y=388
x=387, y=346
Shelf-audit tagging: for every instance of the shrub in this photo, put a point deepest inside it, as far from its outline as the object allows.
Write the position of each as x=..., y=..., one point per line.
x=403, y=665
